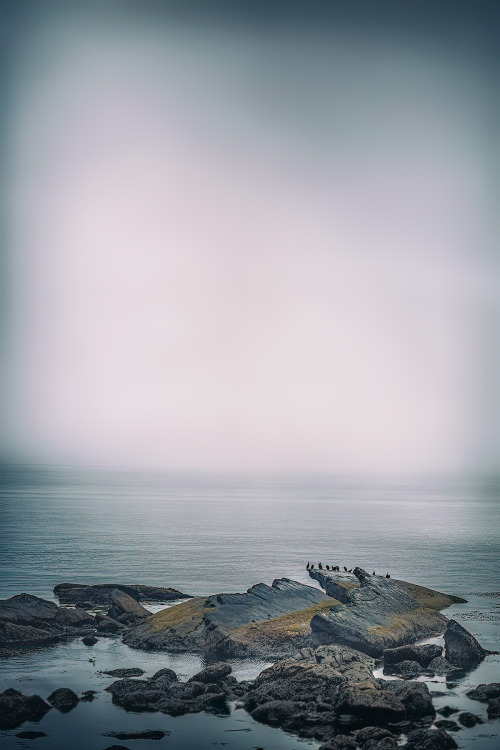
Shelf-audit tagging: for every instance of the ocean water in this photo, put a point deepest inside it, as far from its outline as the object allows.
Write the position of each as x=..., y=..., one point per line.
x=205, y=534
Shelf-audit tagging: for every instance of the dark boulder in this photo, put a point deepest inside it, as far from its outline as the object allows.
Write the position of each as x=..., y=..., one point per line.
x=63, y=699
x=422, y=654
x=447, y=711
x=275, y=713
x=370, y=705
x=387, y=743
x=88, y=696
x=116, y=747
x=430, y=739
x=414, y=696
x=30, y=735
x=341, y=742
x=440, y=665
x=404, y=668
x=370, y=734
x=164, y=677
x=485, y=692
x=89, y=640
x=461, y=648
x=493, y=708
x=26, y=619
x=16, y=708
x=147, y=734
x=109, y=625
x=468, y=720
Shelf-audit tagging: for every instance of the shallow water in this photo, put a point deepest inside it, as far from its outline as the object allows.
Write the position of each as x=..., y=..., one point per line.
x=209, y=534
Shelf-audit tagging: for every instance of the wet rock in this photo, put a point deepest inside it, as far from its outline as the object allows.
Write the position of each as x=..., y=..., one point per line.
x=370, y=705
x=117, y=747
x=414, y=696
x=30, y=735
x=125, y=672
x=26, y=619
x=371, y=734
x=468, y=720
x=388, y=743
x=451, y=726
x=63, y=699
x=422, y=654
x=147, y=734
x=461, y=648
x=88, y=696
x=89, y=640
x=109, y=625
x=16, y=708
x=73, y=593
x=440, y=665
x=215, y=673
x=447, y=711
x=430, y=739
x=493, y=708
x=125, y=609
x=404, y=668
x=485, y=692
x=275, y=713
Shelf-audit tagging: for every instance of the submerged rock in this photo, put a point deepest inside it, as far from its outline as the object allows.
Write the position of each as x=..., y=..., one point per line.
x=493, y=708
x=26, y=619
x=147, y=734
x=430, y=739
x=461, y=648
x=468, y=720
x=16, y=708
x=30, y=735
x=89, y=640
x=125, y=672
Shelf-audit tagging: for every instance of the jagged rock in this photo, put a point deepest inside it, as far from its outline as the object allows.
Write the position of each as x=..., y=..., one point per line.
x=63, y=699
x=493, y=708
x=422, y=654
x=16, y=708
x=26, y=619
x=271, y=621
x=485, y=692
x=89, y=640
x=125, y=672
x=215, y=673
x=101, y=593
x=461, y=648
x=468, y=720
x=125, y=609
x=430, y=739
x=381, y=613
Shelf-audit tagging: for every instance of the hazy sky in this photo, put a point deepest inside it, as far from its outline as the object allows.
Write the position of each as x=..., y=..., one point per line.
x=254, y=238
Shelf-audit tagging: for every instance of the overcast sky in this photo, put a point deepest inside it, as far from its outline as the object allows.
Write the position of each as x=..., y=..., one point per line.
x=250, y=240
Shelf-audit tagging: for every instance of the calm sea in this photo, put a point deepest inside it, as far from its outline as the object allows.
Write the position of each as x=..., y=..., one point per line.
x=205, y=534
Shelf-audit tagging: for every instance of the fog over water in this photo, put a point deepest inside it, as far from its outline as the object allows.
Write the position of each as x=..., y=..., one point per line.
x=250, y=238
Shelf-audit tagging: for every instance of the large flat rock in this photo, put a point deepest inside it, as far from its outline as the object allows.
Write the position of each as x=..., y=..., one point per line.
x=378, y=613
x=271, y=621
x=102, y=593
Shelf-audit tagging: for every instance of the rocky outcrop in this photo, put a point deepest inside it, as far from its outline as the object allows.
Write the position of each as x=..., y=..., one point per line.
x=380, y=614
x=101, y=593
x=209, y=690
x=271, y=621
x=26, y=619
x=461, y=648
x=16, y=708
x=422, y=654
x=331, y=688
x=485, y=692
x=430, y=739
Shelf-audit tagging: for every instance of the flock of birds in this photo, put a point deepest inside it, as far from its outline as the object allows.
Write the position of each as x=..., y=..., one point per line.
x=335, y=569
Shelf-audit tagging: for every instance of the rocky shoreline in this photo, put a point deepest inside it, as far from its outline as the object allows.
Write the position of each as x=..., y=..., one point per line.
x=325, y=646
